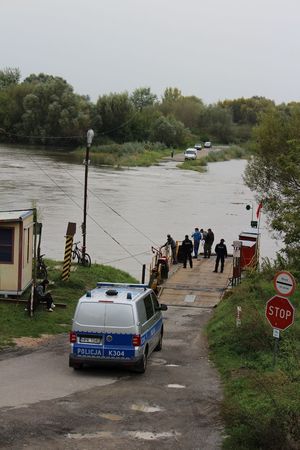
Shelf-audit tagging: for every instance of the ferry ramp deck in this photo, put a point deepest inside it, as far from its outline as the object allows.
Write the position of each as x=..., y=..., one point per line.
x=199, y=286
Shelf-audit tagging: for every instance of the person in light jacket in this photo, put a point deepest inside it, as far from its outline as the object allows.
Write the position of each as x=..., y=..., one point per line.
x=197, y=239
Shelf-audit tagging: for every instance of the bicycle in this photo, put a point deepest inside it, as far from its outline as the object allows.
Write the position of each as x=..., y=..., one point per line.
x=77, y=253
x=41, y=268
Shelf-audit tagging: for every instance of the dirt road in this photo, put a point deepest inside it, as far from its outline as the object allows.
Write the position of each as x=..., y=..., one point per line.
x=179, y=157
x=175, y=404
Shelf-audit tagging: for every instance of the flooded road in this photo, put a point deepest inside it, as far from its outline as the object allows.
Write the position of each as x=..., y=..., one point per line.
x=128, y=210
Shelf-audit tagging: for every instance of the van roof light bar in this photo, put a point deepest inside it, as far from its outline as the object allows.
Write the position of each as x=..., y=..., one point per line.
x=128, y=285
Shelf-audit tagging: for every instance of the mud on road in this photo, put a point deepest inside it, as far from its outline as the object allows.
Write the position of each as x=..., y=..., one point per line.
x=175, y=404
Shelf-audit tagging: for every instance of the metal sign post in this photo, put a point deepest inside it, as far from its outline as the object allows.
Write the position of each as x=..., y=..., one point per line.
x=33, y=286
x=276, y=336
x=90, y=136
x=279, y=310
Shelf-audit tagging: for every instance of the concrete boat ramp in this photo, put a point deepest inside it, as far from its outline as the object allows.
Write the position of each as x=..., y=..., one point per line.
x=198, y=287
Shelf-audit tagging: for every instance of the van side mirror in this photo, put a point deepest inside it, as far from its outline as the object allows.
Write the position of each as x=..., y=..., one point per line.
x=163, y=307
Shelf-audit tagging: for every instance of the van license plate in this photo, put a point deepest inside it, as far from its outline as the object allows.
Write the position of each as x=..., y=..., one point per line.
x=90, y=340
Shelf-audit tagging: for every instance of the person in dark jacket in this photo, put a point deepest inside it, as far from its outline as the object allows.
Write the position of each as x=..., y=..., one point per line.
x=171, y=243
x=221, y=252
x=44, y=296
x=187, y=250
x=208, y=242
x=41, y=295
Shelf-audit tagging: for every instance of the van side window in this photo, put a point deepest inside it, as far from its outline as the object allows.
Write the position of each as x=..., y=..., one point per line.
x=155, y=302
x=148, y=306
x=141, y=311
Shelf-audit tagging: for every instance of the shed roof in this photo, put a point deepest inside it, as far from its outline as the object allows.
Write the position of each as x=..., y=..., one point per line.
x=14, y=216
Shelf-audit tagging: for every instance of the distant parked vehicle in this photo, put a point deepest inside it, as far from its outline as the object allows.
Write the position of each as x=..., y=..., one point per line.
x=190, y=154
x=207, y=144
x=198, y=146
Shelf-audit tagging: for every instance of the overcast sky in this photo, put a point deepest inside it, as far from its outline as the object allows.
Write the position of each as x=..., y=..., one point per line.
x=214, y=49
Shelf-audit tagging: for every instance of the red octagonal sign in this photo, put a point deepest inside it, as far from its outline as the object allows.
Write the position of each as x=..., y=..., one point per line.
x=280, y=312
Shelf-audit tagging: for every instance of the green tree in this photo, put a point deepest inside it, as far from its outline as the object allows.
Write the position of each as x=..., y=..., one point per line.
x=245, y=114
x=142, y=122
x=187, y=110
x=8, y=77
x=274, y=173
x=216, y=124
x=116, y=112
x=171, y=95
x=142, y=98
x=53, y=111
x=169, y=131
x=247, y=110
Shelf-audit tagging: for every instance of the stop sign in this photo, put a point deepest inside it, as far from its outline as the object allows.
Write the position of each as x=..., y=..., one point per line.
x=280, y=312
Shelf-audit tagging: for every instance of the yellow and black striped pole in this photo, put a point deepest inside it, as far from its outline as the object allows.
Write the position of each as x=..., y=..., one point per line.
x=71, y=230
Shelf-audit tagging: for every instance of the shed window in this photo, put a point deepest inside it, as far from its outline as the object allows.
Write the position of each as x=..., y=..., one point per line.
x=6, y=245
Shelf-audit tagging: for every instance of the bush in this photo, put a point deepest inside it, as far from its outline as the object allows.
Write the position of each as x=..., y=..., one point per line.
x=128, y=154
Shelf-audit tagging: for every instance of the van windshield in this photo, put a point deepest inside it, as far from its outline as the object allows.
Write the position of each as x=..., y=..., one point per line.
x=105, y=315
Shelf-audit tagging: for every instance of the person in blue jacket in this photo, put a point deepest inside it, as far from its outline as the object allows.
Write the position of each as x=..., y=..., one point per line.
x=197, y=236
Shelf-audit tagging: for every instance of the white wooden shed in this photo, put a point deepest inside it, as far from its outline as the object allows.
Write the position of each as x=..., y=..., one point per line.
x=16, y=251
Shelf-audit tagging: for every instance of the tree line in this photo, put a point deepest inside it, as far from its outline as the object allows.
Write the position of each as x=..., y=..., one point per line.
x=44, y=109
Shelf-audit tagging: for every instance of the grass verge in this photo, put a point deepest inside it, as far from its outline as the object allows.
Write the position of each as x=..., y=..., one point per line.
x=15, y=322
x=130, y=154
x=261, y=406
x=200, y=164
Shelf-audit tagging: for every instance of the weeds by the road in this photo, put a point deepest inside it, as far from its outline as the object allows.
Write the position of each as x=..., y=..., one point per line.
x=130, y=154
x=15, y=322
x=261, y=408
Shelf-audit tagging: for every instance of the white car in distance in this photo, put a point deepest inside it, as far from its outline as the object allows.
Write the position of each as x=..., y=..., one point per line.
x=190, y=154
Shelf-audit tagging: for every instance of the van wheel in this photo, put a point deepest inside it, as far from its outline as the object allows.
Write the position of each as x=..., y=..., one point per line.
x=142, y=364
x=77, y=366
x=159, y=344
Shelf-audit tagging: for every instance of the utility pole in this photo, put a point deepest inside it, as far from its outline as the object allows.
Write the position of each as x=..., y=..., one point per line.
x=33, y=286
x=89, y=135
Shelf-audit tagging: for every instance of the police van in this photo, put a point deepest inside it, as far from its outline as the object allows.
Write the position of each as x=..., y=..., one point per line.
x=116, y=324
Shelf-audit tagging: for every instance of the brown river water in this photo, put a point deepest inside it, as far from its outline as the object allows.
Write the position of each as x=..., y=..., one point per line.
x=128, y=210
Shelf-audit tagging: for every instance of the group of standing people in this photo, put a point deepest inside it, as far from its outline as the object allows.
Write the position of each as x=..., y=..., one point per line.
x=205, y=237
x=188, y=247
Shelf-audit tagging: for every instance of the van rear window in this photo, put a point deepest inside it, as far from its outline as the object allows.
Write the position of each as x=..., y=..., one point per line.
x=118, y=315
x=91, y=314
x=105, y=315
